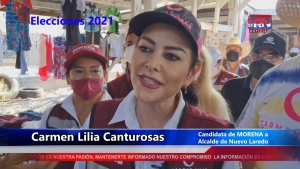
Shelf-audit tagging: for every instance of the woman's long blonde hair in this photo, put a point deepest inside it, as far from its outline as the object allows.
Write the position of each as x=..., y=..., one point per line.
x=211, y=101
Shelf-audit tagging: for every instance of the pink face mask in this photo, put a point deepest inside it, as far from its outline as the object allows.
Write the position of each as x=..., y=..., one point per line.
x=87, y=88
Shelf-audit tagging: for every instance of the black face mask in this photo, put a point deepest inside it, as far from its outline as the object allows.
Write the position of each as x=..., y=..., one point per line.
x=293, y=54
x=258, y=68
x=232, y=56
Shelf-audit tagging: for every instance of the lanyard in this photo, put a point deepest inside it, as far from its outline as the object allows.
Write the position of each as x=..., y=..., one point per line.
x=179, y=125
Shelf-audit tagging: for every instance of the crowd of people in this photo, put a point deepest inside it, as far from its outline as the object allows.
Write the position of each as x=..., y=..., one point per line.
x=173, y=81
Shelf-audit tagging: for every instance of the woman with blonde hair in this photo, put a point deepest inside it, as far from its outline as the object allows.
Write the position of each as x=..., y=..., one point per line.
x=211, y=101
x=163, y=68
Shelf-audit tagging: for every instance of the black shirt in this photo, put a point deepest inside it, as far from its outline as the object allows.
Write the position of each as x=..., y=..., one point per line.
x=237, y=93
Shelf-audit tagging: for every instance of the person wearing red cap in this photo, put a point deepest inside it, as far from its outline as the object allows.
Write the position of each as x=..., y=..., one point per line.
x=86, y=70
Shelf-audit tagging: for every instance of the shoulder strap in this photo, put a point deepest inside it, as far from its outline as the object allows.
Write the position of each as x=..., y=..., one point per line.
x=60, y=113
x=92, y=115
x=102, y=112
x=57, y=107
x=109, y=91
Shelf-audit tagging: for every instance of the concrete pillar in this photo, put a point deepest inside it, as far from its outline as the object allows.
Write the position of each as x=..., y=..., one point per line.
x=135, y=7
x=216, y=16
x=194, y=7
x=231, y=20
x=235, y=16
x=240, y=22
x=149, y=5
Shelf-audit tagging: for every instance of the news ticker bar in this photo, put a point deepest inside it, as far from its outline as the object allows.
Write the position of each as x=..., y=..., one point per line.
x=108, y=149
x=152, y=157
x=258, y=137
x=213, y=154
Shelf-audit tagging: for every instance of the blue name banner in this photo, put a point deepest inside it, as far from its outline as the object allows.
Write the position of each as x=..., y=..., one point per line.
x=259, y=137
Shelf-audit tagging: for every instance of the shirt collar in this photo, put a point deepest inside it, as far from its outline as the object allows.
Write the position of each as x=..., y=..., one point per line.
x=126, y=112
x=236, y=70
x=247, y=82
x=68, y=105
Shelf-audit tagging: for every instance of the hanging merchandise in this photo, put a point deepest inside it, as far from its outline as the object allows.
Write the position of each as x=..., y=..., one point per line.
x=32, y=54
x=72, y=9
x=49, y=54
x=1, y=46
x=21, y=61
x=17, y=24
x=103, y=43
x=116, y=16
x=67, y=47
x=59, y=57
x=92, y=17
x=43, y=69
x=116, y=44
x=18, y=60
x=24, y=67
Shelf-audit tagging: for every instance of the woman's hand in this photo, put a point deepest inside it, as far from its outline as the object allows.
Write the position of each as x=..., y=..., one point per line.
x=12, y=161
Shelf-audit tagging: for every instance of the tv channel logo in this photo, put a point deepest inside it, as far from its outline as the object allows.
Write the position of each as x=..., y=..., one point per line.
x=259, y=23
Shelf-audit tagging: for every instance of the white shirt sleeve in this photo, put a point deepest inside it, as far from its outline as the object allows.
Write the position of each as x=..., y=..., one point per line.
x=45, y=117
x=250, y=115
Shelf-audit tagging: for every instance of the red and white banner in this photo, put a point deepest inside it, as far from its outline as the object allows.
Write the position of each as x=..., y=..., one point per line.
x=215, y=153
x=152, y=157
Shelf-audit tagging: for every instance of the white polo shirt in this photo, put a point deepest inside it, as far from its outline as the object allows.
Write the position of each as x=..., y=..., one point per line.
x=126, y=112
x=68, y=105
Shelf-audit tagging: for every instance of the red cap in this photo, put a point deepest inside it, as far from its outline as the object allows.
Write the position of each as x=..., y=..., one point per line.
x=81, y=51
